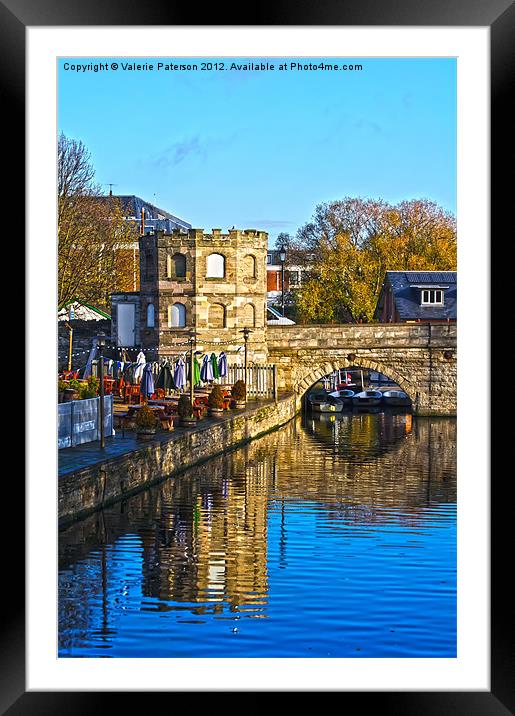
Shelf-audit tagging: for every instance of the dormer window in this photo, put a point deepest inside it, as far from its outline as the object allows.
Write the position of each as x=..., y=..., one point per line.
x=431, y=297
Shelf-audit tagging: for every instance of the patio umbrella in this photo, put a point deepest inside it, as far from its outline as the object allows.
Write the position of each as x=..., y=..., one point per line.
x=206, y=372
x=222, y=365
x=147, y=381
x=214, y=365
x=140, y=363
x=179, y=374
x=165, y=378
x=87, y=369
x=196, y=371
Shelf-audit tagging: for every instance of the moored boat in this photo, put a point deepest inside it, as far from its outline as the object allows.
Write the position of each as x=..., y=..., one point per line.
x=344, y=395
x=367, y=398
x=396, y=397
x=337, y=402
x=321, y=403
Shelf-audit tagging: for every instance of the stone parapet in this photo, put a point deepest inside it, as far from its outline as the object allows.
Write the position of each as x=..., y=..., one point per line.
x=106, y=481
x=421, y=358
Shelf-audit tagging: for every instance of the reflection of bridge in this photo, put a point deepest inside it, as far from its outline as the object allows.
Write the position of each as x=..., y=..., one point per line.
x=420, y=357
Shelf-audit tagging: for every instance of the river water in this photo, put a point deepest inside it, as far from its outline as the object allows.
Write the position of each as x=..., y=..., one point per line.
x=332, y=537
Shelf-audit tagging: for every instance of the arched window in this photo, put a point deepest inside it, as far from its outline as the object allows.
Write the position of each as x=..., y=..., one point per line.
x=249, y=266
x=176, y=266
x=176, y=315
x=150, y=315
x=216, y=315
x=215, y=266
x=248, y=316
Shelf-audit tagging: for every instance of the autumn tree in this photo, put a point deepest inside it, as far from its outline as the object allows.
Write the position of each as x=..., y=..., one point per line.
x=353, y=242
x=92, y=232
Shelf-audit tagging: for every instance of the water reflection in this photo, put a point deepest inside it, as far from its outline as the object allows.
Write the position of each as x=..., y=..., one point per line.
x=289, y=534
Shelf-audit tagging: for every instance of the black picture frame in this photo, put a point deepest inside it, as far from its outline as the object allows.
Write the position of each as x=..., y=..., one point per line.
x=499, y=15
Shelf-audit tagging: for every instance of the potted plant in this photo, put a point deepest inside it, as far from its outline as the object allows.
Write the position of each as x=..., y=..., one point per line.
x=61, y=387
x=72, y=391
x=215, y=401
x=239, y=394
x=186, y=417
x=146, y=423
x=89, y=389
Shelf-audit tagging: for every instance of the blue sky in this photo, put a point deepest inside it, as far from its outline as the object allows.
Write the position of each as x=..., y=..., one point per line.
x=262, y=149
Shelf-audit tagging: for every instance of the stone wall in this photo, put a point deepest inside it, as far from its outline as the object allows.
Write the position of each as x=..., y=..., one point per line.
x=216, y=308
x=82, y=491
x=82, y=340
x=420, y=357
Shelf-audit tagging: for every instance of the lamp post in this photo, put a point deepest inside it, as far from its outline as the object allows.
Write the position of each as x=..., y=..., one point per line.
x=282, y=259
x=101, y=341
x=246, y=332
x=192, y=384
x=70, y=345
x=71, y=316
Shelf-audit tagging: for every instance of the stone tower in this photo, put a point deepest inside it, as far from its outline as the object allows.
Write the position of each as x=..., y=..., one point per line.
x=207, y=285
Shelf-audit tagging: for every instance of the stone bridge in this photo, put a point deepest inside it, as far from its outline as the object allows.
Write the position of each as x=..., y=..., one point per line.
x=420, y=357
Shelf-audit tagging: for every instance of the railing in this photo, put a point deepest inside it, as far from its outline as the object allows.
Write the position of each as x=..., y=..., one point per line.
x=261, y=379
x=78, y=421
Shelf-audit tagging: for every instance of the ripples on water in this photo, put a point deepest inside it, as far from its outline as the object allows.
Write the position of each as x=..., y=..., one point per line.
x=333, y=537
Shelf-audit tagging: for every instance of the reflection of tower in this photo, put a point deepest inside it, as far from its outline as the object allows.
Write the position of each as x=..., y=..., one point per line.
x=231, y=541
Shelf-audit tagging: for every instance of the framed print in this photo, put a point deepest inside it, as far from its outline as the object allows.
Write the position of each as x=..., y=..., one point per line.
x=349, y=137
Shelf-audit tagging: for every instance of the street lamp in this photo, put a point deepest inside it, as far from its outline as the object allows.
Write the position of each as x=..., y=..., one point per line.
x=246, y=332
x=282, y=259
x=192, y=381
x=101, y=341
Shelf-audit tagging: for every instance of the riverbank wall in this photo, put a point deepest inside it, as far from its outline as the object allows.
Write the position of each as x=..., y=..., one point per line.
x=105, y=481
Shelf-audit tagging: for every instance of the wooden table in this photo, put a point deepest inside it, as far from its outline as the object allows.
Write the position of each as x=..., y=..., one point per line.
x=169, y=406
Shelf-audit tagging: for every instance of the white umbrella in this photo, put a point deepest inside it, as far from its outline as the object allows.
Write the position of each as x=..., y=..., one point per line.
x=179, y=374
x=140, y=364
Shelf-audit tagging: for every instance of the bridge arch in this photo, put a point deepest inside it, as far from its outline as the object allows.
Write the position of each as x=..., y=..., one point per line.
x=316, y=373
x=421, y=358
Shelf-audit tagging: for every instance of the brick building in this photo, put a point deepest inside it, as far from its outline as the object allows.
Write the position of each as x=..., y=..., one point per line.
x=294, y=273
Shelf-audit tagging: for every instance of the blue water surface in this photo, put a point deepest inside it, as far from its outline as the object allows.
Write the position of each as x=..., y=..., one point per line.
x=332, y=537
